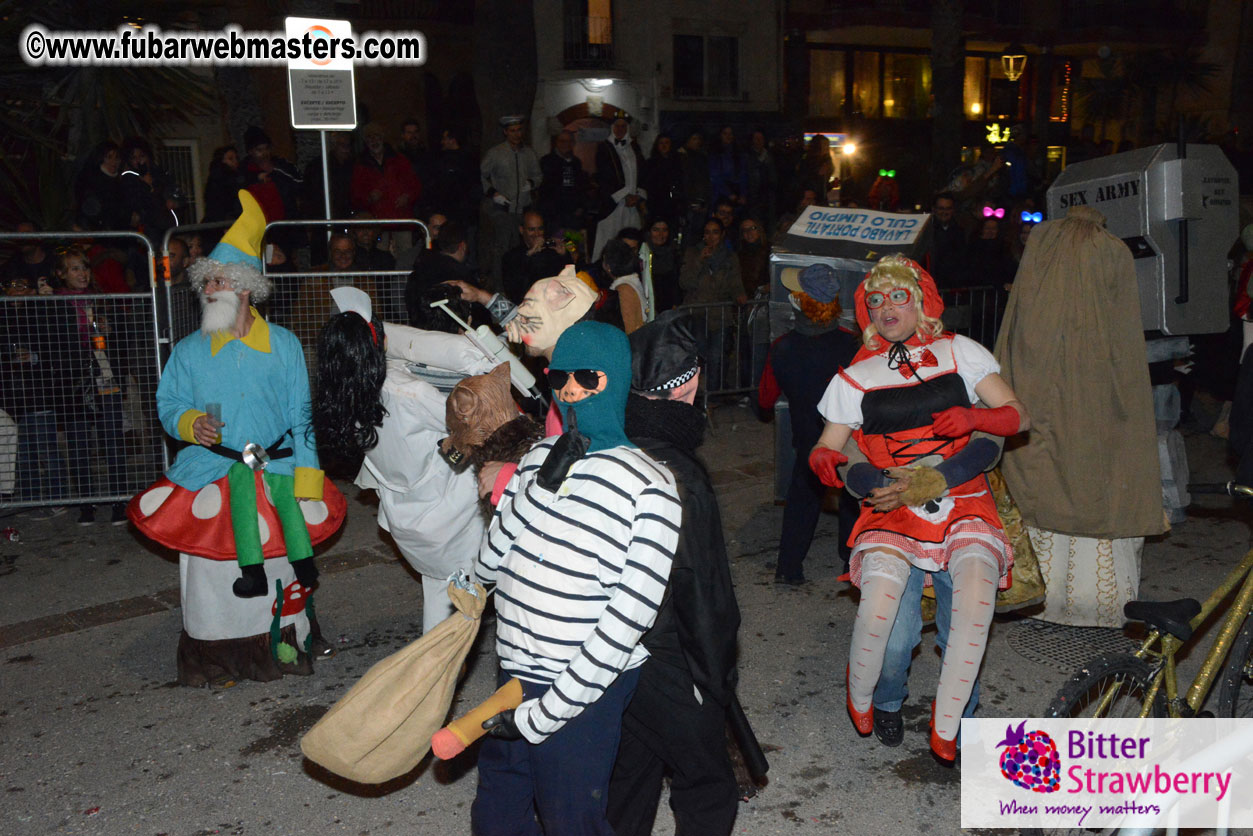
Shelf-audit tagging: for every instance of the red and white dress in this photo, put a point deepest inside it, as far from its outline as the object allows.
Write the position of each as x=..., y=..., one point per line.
x=889, y=401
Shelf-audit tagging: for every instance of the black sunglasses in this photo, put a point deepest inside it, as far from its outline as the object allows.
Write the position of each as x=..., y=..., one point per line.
x=587, y=378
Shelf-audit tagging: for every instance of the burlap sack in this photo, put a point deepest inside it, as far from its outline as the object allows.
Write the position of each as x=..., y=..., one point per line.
x=382, y=727
x=1027, y=590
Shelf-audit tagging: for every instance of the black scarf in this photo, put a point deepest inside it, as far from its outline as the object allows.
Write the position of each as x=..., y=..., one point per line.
x=673, y=422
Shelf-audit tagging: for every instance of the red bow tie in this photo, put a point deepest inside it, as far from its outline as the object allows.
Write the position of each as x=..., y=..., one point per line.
x=925, y=359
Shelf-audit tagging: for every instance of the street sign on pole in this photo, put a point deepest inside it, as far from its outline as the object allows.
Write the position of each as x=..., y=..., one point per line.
x=321, y=91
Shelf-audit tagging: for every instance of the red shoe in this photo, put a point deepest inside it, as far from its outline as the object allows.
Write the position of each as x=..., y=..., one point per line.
x=863, y=721
x=945, y=750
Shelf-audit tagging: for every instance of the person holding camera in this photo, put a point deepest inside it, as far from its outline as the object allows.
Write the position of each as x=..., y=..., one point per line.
x=537, y=257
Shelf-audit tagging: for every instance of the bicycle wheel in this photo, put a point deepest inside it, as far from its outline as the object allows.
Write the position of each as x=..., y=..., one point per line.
x=1114, y=685
x=1235, y=696
x=1109, y=686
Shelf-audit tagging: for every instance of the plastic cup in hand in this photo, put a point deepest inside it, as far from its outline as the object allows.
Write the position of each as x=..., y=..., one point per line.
x=214, y=411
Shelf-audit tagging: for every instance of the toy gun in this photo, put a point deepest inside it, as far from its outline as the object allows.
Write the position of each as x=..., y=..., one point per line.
x=496, y=349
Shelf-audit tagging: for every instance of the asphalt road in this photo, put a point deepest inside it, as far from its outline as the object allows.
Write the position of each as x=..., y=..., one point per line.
x=97, y=738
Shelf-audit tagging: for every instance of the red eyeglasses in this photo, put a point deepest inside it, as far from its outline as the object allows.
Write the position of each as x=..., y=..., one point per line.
x=898, y=296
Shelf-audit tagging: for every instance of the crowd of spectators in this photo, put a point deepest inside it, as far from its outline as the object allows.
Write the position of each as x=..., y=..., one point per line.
x=693, y=217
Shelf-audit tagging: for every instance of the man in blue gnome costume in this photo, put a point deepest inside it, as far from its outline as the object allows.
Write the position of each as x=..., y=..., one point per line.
x=247, y=486
x=580, y=548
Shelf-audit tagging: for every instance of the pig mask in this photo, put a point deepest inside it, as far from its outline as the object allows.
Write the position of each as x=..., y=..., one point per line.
x=550, y=307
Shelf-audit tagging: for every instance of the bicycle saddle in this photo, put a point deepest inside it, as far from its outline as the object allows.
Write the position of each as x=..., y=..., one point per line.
x=1167, y=616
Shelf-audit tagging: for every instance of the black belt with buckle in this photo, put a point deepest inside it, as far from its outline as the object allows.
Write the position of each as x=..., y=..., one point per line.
x=253, y=454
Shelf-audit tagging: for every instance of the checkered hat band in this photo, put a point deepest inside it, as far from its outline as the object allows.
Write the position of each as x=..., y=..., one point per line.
x=676, y=381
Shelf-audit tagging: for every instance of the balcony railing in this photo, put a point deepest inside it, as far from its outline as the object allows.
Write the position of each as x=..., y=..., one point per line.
x=588, y=43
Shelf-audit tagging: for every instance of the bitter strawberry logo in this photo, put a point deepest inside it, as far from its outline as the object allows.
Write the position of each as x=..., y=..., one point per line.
x=1030, y=759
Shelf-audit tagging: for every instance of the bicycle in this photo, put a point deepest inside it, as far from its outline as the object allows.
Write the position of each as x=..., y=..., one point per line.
x=1145, y=683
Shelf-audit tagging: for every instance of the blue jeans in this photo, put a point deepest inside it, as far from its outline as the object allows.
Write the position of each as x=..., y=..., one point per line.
x=104, y=422
x=565, y=779
x=37, y=450
x=893, y=687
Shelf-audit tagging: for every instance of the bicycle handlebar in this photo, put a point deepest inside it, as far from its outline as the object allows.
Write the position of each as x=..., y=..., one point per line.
x=1225, y=488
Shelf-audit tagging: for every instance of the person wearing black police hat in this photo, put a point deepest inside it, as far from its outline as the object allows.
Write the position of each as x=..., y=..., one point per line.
x=676, y=721
x=800, y=365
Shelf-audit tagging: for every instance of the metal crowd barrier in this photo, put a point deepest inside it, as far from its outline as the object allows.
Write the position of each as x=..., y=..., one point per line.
x=975, y=312
x=301, y=300
x=736, y=340
x=737, y=337
x=78, y=378
x=181, y=311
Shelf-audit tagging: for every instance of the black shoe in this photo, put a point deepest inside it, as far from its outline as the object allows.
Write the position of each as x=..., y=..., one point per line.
x=306, y=572
x=253, y=582
x=888, y=727
x=118, y=515
x=87, y=515
x=795, y=580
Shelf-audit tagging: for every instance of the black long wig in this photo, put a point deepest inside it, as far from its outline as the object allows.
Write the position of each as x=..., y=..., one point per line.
x=352, y=366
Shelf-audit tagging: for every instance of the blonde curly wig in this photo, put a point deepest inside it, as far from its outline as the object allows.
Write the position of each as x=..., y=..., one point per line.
x=897, y=271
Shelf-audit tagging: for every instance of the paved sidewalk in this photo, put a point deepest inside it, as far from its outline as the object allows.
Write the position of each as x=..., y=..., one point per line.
x=98, y=740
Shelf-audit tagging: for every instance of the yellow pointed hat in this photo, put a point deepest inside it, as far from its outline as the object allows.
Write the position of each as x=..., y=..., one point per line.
x=242, y=242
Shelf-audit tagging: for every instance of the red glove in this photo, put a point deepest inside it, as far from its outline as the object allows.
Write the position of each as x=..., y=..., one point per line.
x=958, y=421
x=823, y=461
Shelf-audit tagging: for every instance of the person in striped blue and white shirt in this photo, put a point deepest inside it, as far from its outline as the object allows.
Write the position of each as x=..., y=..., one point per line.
x=580, y=548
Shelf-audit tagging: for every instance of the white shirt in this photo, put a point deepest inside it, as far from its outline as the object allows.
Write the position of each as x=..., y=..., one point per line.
x=841, y=403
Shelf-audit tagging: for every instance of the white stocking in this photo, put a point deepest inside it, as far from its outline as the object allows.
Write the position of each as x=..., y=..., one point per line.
x=883, y=578
x=975, y=574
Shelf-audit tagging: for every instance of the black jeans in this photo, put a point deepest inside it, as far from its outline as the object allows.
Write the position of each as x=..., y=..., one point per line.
x=666, y=730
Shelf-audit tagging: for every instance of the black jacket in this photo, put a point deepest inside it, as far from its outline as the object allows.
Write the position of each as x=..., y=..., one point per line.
x=519, y=271
x=609, y=174
x=454, y=189
x=697, y=623
x=664, y=183
x=803, y=365
x=42, y=361
x=562, y=193
x=434, y=268
x=221, y=193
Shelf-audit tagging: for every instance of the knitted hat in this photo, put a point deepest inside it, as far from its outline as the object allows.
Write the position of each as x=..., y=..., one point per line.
x=237, y=257
x=595, y=345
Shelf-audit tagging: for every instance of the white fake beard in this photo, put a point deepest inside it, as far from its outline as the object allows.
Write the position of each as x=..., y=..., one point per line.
x=220, y=311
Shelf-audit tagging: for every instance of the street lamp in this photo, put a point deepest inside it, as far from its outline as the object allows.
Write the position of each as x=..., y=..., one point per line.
x=1014, y=61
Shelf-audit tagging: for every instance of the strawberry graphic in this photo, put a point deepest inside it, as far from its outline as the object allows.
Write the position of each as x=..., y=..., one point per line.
x=1030, y=759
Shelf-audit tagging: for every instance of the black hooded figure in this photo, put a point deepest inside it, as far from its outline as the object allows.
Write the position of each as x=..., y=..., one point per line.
x=692, y=645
